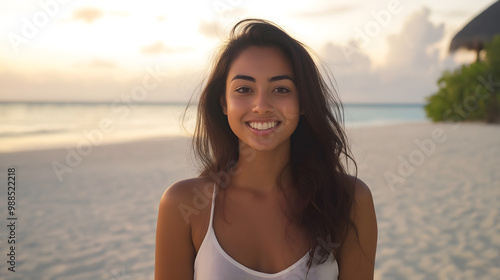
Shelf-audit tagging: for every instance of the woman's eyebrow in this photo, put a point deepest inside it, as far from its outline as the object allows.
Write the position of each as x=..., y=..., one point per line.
x=243, y=77
x=281, y=77
x=273, y=79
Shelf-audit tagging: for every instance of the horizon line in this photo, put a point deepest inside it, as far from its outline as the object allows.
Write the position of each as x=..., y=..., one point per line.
x=90, y=102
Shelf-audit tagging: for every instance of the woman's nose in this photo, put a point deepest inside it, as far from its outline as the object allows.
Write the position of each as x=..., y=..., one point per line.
x=262, y=103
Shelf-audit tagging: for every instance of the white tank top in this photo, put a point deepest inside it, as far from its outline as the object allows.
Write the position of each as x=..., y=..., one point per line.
x=213, y=263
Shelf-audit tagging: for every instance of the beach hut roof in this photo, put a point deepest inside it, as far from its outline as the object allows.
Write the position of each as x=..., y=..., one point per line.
x=478, y=31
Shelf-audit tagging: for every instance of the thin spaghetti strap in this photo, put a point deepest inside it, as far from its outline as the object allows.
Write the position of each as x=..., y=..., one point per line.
x=212, y=206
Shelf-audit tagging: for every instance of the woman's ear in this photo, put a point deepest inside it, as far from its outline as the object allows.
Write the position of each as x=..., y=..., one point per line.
x=223, y=104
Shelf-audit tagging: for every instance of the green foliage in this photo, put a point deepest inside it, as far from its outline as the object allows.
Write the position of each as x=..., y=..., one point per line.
x=470, y=93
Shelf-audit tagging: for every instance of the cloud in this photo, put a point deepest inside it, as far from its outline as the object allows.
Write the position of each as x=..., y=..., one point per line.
x=210, y=29
x=414, y=46
x=100, y=63
x=231, y=12
x=336, y=56
x=460, y=14
x=96, y=64
x=413, y=64
x=352, y=73
x=158, y=48
x=51, y=85
x=107, y=85
x=327, y=12
x=88, y=14
x=120, y=13
x=411, y=70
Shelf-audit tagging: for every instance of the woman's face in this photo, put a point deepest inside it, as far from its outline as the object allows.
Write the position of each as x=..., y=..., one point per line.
x=261, y=100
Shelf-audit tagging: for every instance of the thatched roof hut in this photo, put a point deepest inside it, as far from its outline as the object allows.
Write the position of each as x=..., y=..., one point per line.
x=479, y=30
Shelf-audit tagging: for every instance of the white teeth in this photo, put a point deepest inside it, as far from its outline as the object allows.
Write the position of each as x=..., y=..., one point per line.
x=263, y=126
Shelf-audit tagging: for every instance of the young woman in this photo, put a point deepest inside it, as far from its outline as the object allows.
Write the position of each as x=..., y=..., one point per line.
x=274, y=199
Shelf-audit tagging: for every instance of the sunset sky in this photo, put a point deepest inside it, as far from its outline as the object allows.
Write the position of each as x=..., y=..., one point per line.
x=389, y=51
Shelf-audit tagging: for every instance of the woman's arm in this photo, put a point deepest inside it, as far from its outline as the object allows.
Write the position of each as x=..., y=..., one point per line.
x=357, y=258
x=175, y=253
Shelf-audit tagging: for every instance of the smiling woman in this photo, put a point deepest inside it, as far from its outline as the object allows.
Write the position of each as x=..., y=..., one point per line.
x=282, y=203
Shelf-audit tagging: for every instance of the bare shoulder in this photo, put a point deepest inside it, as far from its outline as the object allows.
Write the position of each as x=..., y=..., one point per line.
x=175, y=252
x=363, y=210
x=183, y=191
x=186, y=191
x=182, y=188
x=362, y=193
x=357, y=254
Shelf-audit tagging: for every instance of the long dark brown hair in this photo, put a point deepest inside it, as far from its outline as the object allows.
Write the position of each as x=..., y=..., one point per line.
x=319, y=152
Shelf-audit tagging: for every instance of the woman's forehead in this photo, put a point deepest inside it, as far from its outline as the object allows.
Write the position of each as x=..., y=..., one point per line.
x=261, y=60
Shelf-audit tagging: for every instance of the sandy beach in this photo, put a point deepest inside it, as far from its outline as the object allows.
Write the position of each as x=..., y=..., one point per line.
x=91, y=214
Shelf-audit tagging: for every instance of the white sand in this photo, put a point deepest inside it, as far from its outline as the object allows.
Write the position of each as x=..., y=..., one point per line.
x=442, y=222
x=99, y=222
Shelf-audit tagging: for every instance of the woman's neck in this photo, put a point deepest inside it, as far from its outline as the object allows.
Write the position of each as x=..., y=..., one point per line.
x=258, y=170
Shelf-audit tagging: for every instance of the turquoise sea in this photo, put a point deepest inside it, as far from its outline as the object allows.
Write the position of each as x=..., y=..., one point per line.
x=36, y=125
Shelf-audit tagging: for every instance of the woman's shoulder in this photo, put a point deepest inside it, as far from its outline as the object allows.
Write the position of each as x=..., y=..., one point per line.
x=188, y=197
x=357, y=254
x=184, y=191
x=361, y=190
x=179, y=206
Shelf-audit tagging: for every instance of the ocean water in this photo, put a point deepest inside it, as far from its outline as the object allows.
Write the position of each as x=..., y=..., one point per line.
x=31, y=126
x=383, y=114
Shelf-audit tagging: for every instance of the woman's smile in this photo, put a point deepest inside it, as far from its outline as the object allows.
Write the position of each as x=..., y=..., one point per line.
x=263, y=128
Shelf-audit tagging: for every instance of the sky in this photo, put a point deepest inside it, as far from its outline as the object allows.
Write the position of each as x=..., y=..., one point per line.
x=378, y=51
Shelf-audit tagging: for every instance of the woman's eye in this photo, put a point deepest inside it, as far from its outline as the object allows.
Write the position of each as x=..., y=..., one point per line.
x=243, y=90
x=281, y=90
